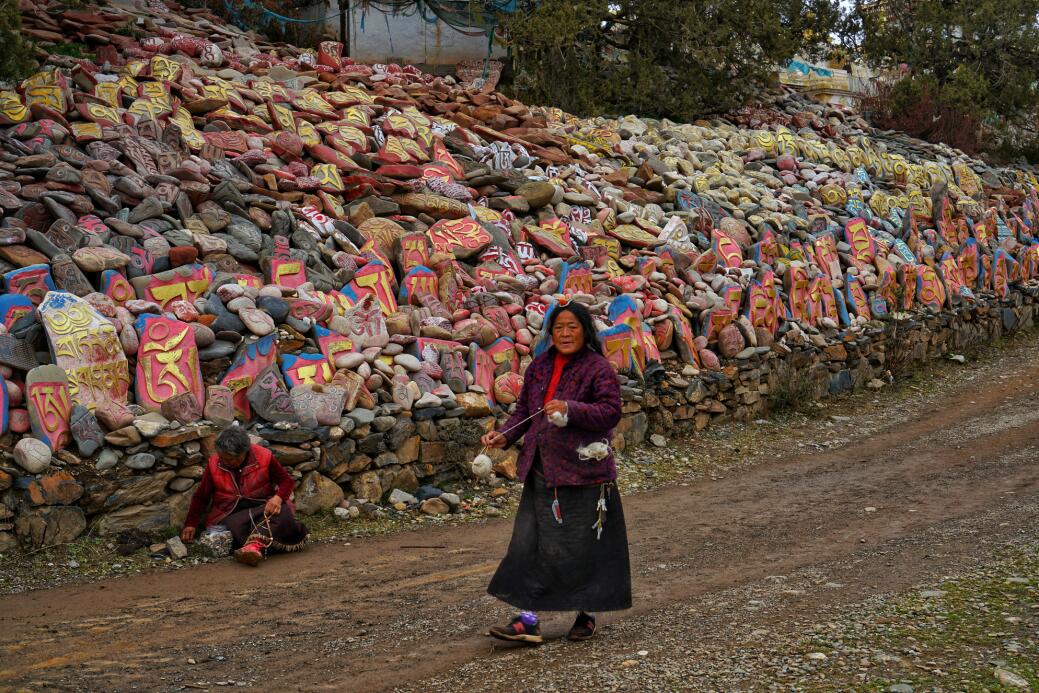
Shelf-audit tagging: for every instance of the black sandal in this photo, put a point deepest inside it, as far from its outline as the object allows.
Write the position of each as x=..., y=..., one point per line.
x=583, y=628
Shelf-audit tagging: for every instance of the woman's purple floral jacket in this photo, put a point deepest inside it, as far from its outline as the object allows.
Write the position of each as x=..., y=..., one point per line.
x=589, y=386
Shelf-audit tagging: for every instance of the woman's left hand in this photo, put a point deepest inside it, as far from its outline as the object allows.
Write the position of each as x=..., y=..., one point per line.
x=556, y=406
x=273, y=506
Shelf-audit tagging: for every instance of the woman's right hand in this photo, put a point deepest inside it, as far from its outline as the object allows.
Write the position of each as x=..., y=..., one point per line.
x=493, y=440
x=187, y=535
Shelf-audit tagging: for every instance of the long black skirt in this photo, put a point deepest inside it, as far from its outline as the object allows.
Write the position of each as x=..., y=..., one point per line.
x=553, y=566
x=279, y=533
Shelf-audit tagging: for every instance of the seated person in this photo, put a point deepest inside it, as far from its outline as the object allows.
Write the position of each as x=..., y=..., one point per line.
x=246, y=490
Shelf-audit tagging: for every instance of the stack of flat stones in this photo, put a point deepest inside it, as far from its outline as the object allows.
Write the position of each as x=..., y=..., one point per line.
x=357, y=261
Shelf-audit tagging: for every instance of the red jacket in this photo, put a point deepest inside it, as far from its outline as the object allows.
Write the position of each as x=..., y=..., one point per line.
x=260, y=477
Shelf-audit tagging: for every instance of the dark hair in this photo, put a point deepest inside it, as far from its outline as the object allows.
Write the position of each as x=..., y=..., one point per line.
x=233, y=441
x=579, y=311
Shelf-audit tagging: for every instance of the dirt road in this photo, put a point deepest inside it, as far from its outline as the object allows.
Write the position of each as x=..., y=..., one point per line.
x=402, y=611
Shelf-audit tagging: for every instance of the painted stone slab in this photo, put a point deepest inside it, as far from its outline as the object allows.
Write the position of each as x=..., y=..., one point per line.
x=481, y=365
x=332, y=344
x=618, y=345
x=684, y=339
x=269, y=397
x=376, y=279
x=219, y=407
x=503, y=353
x=855, y=297
x=86, y=346
x=47, y=399
x=414, y=252
x=727, y=249
x=826, y=256
x=1001, y=273
x=623, y=310
x=419, y=281
x=250, y=360
x=863, y=246
x=633, y=236
x=464, y=238
x=13, y=307
x=33, y=282
x=183, y=408
x=167, y=362
x=761, y=308
x=367, y=324
x=290, y=273
x=68, y=276
x=950, y=273
x=575, y=278
x=554, y=236
x=929, y=289
x=305, y=369
x=182, y=283
x=117, y=287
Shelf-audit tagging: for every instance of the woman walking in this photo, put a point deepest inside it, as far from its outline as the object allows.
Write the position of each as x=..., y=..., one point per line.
x=569, y=548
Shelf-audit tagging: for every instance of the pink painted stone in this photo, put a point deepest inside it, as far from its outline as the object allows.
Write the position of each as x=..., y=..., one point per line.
x=786, y=163
x=730, y=341
x=184, y=311
x=709, y=360
x=18, y=421
x=14, y=393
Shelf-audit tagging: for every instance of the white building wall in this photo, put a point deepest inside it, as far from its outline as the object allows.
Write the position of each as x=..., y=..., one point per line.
x=381, y=38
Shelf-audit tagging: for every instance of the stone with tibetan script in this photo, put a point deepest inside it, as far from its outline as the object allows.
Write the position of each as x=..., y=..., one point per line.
x=99, y=259
x=575, y=278
x=503, y=353
x=414, y=252
x=320, y=404
x=184, y=408
x=367, y=324
x=553, y=236
x=250, y=360
x=47, y=400
x=464, y=238
x=633, y=236
x=185, y=283
x=287, y=273
x=68, y=277
x=377, y=280
x=117, y=287
x=305, y=369
x=269, y=397
x=86, y=432
x=13, y=307
x=167, y=361
x=86, y=346
x=826, y=256
x=929, y=289
x=33, y=282
x=481, y=365
x=727, y=249
x=418, y=282
x=436, y=206
x=863, y=246
x=219, y=408
x=453, y=366
x=332, y=344
x=13, y=235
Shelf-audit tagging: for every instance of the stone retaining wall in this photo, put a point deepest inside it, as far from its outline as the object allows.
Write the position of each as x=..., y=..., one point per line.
x=147, y=486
